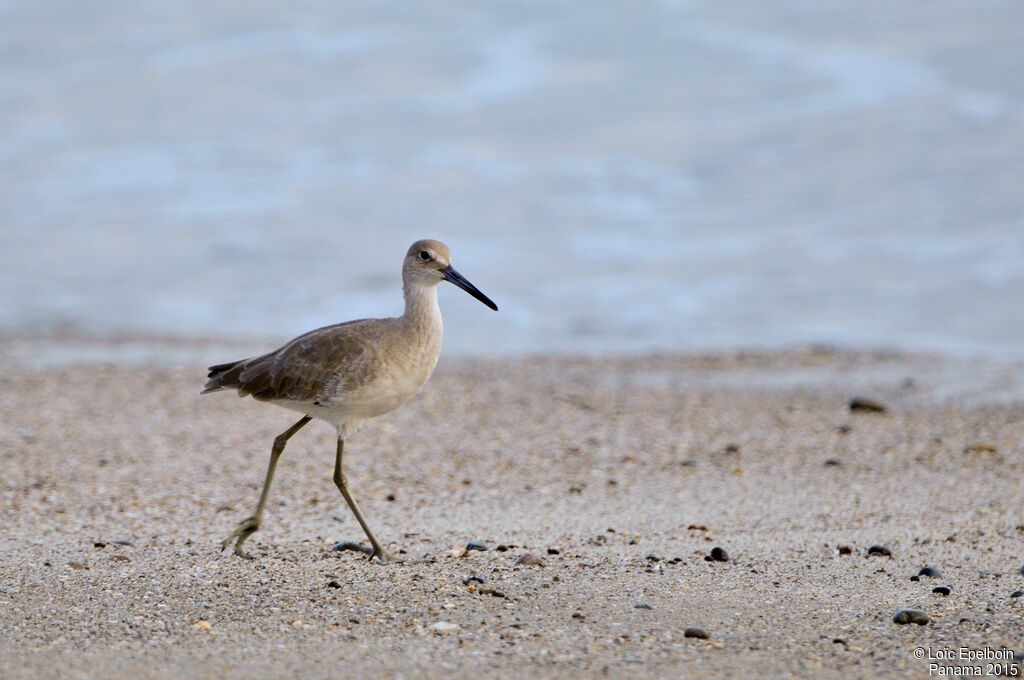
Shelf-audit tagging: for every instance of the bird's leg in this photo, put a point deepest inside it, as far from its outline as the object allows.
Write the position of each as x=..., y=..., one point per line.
x=342, y=484
x=249, y=525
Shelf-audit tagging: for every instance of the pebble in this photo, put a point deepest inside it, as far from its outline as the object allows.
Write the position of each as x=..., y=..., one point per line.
x=349, y=545
x=698, y=633
x=865, y=405
x=203, y=625
x=1017, y=593
x=929, y=571
x=529, y=559
x=333, y=584
x=904, y=616
x=642, y=606
x=832, y=462
x=579, y=615
x=879, y=550
x=472, y=579
x=844, y=550
x=492, y=592
x=719, y=555
x=445, y=627
x=477, y=545
x=941, y=590
x=1021, y=571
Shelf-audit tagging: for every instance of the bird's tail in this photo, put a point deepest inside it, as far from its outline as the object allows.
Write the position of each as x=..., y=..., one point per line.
x=224, y=376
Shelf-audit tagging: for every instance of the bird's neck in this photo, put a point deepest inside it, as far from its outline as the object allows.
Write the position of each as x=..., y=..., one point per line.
x=421, y=308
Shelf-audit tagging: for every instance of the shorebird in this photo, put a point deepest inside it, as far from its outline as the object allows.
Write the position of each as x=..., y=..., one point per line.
x=349, y=372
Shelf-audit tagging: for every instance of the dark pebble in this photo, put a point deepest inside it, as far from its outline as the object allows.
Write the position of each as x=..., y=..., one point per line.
x=333, y=584
x=698, y=633
x=879, y=550
x=915, y=578
x=390, y=497
x=553, y=551
x=1017, y=593
x=844, y=429
x=642, y=606
x=941, y=590
x=701, y=527
x=501, y=548
x=349, y=545
x=491, y=591
x=476, y=545
x=719, y=555
x=929, y=571
x=472, y=579
x=1021, y=571
x=832, y=462
x=128, y=543
x=579, y=615
x=865, y=405
x=904, y=616
x=653, y=558
x=529, y=560
x=844, y=550
x=99, y=544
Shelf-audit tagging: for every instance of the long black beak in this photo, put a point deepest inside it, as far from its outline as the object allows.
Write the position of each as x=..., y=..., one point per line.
x=459, y=280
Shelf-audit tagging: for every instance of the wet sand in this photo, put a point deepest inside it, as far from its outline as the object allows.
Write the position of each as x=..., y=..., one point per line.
x=119, y=481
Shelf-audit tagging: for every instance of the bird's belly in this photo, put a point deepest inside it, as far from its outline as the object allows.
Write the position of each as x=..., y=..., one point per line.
x=384, y=394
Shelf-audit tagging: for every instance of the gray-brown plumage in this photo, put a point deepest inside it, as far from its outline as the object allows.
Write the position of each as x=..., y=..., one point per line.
x=349, y=372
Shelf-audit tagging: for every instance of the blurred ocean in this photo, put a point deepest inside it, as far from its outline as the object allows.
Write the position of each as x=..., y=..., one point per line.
x=618, y=177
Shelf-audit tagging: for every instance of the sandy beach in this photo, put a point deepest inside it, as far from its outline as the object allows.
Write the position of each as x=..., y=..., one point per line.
x=621, y=475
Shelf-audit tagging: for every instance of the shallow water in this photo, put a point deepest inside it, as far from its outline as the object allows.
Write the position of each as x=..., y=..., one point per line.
x=673, y=176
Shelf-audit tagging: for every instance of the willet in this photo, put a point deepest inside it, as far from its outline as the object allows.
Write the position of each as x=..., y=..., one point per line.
x=348, y=372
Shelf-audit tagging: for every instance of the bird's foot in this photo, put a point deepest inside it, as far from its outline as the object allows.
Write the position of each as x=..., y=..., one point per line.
x=245, y=528
x=383, y=555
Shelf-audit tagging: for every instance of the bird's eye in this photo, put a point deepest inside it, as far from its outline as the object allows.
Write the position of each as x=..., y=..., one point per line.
x=424, y=255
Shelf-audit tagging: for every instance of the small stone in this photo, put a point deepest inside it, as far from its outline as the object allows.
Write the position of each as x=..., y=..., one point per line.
x=349, y=545
x=929, y=571
x=390, y=497
x=553, y=551
x=698, y=633
x=904, y=616
x=444, y=627
x=941, y=590
x=701, y=527
x=99, y=544
x=981, y=448
x=1017, y=593
x=477, y=545
x=832, y=462
x=77, y=565
x=579, y=615
x=719, y=555
x=844, y=550
x=203, y=625
x=844, y=429
x=472, y=579
x=653, y=558
x=879, y=550
x=642, y=606
x=501, y=548
x=732, y=448
x=865, y=405
x=915, y=578
x=529, y=560
x=1021, y=571
x=492, y=592
x=333, y=584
